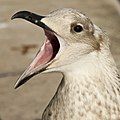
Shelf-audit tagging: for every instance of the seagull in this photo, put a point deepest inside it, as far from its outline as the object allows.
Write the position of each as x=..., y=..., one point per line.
x=79, y=49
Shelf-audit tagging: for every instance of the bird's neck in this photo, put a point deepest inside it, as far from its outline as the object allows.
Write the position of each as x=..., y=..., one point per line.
x=96, y=74
x=91, y=84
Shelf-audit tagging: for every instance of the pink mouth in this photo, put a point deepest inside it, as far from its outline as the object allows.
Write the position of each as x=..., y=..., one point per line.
x=47, y=52
x=44, y=57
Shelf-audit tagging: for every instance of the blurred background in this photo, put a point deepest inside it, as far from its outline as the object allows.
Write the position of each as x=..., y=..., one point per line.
x=19, y=42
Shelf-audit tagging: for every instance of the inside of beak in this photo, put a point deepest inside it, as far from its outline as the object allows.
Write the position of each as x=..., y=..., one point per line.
x=43, y=59
x=47, y=52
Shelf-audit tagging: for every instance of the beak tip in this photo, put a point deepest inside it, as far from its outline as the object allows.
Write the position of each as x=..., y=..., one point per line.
x=22, y=79
x=12, y=17
x=17, y=85
x=20, y=14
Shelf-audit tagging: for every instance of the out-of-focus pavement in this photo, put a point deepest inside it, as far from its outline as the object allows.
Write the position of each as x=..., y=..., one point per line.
x=19, y=42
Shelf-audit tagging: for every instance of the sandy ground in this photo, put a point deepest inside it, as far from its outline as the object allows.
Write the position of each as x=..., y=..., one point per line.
x=19, y=42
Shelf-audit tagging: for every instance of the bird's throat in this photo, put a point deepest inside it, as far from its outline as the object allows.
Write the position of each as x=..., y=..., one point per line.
x=79, y=97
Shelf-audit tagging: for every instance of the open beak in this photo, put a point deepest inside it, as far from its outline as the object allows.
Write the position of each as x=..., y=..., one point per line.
x=46, y=54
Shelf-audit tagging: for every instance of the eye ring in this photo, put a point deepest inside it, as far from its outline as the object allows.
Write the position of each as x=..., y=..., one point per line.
x=78, y=28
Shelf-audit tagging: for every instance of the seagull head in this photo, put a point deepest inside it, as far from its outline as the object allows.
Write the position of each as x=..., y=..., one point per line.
x=70, y=36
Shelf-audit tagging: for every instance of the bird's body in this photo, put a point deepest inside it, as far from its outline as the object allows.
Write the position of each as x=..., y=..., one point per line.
x=90, y=88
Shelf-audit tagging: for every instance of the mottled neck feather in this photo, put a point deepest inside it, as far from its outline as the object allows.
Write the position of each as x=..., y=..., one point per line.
x=91, y=90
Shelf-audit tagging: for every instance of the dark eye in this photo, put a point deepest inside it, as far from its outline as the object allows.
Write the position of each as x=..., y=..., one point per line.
x=78, y=28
